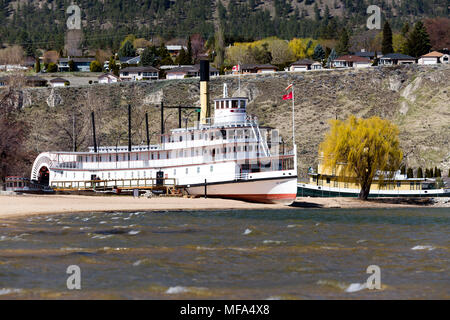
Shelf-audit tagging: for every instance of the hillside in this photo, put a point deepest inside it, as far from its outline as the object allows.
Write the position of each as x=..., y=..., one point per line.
x=414, y=97
x=41, y=23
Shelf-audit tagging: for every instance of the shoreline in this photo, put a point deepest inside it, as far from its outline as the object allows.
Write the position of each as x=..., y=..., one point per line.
x=12, y=206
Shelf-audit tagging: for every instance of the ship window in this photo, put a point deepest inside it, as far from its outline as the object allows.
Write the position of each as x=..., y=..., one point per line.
x=234, y=103
x=181, y=138
x=187, y=170
x=399, y=184
x=222, y=104
x=211, y=168
x=110, y=158
x=328, y=180
x=174, y=172
x=411, y=186
x=198, y=169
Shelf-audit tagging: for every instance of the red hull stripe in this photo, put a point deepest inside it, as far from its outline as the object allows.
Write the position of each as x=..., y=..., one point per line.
x=266, y=198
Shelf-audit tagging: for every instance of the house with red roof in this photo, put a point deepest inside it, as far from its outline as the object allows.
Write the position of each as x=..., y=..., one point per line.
x=351, y=61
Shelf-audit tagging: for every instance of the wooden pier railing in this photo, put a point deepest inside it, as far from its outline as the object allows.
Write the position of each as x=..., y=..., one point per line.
x=166, y=185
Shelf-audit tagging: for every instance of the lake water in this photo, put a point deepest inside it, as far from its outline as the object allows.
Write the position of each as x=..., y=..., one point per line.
x=268, y=254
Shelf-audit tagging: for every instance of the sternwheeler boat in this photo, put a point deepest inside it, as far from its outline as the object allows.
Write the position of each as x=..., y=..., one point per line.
x=228, y=155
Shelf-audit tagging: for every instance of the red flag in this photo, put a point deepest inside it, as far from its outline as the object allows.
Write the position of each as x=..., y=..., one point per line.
x=288, y=96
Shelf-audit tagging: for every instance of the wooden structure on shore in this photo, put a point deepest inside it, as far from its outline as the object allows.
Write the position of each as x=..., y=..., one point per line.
x=159, y=185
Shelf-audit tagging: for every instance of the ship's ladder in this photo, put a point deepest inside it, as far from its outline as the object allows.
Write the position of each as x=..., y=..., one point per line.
x=260, y=140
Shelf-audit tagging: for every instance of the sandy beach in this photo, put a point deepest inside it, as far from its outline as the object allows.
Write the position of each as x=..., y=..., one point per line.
x=22, y=205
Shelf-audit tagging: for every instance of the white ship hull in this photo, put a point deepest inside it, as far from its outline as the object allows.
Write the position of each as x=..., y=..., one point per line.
x=276, y=190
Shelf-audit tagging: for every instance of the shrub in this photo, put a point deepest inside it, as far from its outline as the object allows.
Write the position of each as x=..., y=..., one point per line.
x=95, y=66
x=52, y=67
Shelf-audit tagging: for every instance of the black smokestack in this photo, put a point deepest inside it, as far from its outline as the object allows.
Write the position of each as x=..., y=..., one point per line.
x=93, y=132
x=204, y=70
x=129, y=128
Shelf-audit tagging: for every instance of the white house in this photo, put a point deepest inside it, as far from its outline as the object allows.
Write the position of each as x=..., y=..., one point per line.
x=316, y=66
x=139, y=73
x=351, y=61
x=434, y=57
x=108, y=78
x=396, y=59
x=301, y=65
x=59, y=82
x=182, y=72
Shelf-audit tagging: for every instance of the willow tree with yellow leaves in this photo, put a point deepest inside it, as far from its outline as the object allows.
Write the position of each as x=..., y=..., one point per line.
x=362, y=148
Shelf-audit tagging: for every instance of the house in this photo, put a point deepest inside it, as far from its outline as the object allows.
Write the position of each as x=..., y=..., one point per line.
x=80, y=64
x=371, y=55
x=396, y=59
x=301, y=65
x=34, y=81
x=108, y=78
x=182, y=72
x=256, y=68
x=433, y=58
x=30, y=81
x=131, y=61
x=139, y=73
x=3, y=81
x=351, y=61
x=174, y=50
x=59, y=82
x=316, y=66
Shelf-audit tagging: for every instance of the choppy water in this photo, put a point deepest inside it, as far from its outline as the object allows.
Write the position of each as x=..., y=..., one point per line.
x=269, y=254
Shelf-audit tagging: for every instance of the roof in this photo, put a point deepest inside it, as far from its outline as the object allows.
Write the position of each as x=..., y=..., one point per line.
x=108, y=75
x=368, y=54
x=56, y=80
x=175, y=47
x=187, y=69
x=397, y=56
x=352, y=58
x=139, y=69
x=76, y=59
x=130, y=60
x=433, y=54
x=303, y=62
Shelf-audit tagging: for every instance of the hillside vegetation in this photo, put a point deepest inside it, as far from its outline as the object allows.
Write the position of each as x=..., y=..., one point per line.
x=42, y=23
x=414, y=97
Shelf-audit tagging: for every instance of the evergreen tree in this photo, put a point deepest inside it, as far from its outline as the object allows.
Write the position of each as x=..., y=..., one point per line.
x=148, y=56
x=37, y=65
x=319, y=53
x=316, y=12
x=71, y=65
x=418, y=42
x=333, y=55
x=419, y=173
x=403, y=169
x=127, y=50
x=386, y=46
x=189, y=51
x=410, y=173
x=405, y=29
x=343, y=45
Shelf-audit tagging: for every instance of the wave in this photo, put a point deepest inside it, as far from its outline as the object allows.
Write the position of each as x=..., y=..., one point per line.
x=177, y=290
x=5, y=291
x=429, y=248
x=247, y=231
